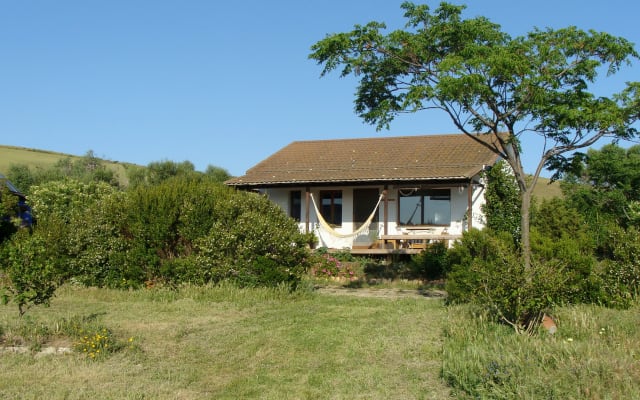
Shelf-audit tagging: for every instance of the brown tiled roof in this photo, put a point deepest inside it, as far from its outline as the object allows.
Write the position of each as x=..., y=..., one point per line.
x=405, y=158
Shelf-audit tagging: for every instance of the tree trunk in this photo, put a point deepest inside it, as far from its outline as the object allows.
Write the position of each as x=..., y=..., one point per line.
x=524, y=226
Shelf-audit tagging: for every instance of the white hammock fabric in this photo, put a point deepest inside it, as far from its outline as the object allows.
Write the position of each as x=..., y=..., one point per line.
x=335, y=233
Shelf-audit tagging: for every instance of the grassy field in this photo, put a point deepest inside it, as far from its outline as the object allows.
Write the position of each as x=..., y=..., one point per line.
x=227, y=343
x=34, y=158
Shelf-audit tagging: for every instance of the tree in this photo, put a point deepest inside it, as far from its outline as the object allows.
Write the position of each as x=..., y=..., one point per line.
x=218, y=174
x=489, y=84
x=604, y=185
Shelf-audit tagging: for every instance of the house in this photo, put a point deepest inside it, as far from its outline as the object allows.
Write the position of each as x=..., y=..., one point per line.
x=378, y=195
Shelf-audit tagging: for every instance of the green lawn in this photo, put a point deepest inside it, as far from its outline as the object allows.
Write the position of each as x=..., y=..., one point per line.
x=237, y=344
x=227, y=343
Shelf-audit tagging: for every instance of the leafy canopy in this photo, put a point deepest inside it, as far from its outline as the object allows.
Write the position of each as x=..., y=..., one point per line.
x=485, y=80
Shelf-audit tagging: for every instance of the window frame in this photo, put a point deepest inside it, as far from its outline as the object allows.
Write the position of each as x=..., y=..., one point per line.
x=335, y=208
x=295, y=205
x=425, y=196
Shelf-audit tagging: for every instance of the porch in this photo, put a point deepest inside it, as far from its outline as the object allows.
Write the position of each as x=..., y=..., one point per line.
x=403, y=244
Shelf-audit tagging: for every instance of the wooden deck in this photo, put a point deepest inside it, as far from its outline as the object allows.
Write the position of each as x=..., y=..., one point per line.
x=415, y=241
x=400, y=244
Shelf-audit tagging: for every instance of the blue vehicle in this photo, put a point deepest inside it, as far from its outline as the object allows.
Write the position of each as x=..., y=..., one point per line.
x=24, y=211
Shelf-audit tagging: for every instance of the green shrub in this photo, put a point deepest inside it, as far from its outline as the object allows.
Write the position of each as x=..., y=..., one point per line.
x=487, y=271
x=432, y=263
x=32, y=267
x=328, y=265
x=248, y=229
x=59, y=200
x=620, y=274
x=8, y=209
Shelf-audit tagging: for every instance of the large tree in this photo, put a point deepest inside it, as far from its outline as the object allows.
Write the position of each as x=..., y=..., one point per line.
x=490, y=83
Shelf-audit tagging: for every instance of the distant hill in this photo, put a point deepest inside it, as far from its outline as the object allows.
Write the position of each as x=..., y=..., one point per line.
x=35, y=158
x=546, y=190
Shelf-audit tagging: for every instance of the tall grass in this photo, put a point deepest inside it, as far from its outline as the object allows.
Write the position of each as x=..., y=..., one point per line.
x=595, y=354
x=230, y=343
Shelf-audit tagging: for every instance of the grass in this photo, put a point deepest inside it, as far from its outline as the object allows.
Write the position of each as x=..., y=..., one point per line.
x=227, y=343
x=35, y=158
x=545, y=189
x=10, y=155
x=594, y=355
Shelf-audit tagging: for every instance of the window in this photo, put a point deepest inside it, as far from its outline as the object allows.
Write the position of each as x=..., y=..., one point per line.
x=295, y=204
x=425, y=207
x=331, y=206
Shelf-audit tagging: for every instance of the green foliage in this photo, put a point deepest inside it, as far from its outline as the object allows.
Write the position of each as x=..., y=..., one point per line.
x=87, y=169
x=432, y=263
x=620, y=273
x=487, y=272
x=32, y=266
x=248, y=228
x=333, y=266
x=185, y=229
x=59, y=200
x=502, y=207
x=97, y=248
x=589, y=357
x=157, y=172
x=605, y=187
x=21, y=176
x=8, y=211
x=218, y=174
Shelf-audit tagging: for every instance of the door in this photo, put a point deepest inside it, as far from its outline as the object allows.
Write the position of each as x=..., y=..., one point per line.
x=364, y=201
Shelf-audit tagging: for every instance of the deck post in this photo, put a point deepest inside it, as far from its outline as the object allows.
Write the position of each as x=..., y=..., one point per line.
x=385, y=193
x=306, y=210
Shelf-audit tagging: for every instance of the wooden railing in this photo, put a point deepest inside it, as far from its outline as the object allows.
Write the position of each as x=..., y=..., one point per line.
x=416, y=241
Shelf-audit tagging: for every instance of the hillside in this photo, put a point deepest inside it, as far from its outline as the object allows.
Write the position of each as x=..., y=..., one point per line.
x=35, y=158
x=546, y=190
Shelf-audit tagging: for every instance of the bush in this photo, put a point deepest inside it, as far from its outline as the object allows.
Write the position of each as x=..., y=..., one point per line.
x=487, y=271
x=32, y=267
x=620, y=275
x=186, y=230
x=432, y=263
x=249, y=231
x=337, y=265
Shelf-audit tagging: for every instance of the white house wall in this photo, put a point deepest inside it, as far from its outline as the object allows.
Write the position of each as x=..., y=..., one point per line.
x=459, y=204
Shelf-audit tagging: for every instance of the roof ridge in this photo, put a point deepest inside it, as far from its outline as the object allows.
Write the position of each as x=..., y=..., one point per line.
x=383, y=137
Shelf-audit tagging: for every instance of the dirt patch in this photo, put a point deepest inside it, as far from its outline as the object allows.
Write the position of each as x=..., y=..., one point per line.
x=44, y=351
x=382, y=293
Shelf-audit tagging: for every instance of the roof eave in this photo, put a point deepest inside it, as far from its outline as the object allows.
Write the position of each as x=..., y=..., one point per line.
x=260, y=184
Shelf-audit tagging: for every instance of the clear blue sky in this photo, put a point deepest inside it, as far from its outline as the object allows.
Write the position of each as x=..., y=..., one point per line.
x=223, y=83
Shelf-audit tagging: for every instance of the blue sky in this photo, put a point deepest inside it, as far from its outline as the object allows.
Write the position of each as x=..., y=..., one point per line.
x=223, y=83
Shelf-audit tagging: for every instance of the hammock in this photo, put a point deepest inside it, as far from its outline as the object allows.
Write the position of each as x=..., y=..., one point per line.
x=335, y=233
